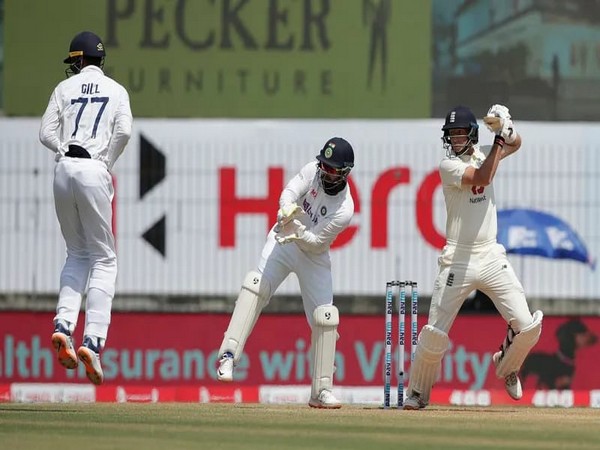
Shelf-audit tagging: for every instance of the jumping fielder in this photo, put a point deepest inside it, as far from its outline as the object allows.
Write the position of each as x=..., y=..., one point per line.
x=87, y=124
x=315, y=207
x=472, y=259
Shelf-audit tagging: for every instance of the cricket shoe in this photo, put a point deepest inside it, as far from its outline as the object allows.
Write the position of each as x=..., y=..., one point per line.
x=63, y=344
x=225, y=370
x=414, y=402
x=325, y=400
x=89, y=354
x=512, y=383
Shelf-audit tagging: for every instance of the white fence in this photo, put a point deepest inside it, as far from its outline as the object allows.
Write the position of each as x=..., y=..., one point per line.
x=206, y=249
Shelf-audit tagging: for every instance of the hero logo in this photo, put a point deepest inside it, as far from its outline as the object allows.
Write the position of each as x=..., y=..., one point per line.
x=231, y=206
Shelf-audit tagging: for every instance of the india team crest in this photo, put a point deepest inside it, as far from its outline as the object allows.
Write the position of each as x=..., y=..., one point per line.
x=329, y=151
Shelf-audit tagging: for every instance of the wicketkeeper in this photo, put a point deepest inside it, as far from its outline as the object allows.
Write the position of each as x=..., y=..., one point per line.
x=315, y=207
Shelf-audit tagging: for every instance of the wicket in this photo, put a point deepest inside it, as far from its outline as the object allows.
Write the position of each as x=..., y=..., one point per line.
x=389, y=308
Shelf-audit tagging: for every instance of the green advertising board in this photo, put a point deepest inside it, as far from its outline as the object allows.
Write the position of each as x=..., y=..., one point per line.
x=232, y=58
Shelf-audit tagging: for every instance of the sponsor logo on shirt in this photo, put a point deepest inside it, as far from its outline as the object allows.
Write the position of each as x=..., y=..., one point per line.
x=308, y=210
x=478, y=199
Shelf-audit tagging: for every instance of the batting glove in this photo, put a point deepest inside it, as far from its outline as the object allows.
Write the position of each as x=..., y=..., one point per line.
x=499, y=111
x=508, y=131
x=291, y=232
x=499, y=122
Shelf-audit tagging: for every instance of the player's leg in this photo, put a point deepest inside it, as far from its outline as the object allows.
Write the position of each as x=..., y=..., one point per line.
x=94, y=193
x=451, y=287
x=74, y=274
x=253, y=297
x=316, y=286
x=324, y=336
x=433, y=343
x=256, y=291
x=524, y=329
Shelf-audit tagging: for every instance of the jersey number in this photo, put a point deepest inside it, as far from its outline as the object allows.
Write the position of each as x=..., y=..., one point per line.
x=84, y=102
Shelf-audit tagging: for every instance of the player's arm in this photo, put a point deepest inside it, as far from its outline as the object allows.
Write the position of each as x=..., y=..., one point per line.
x=320, y=238
x=511, y=148
x=50, y=122
x=121, y=129
x=297, y=187
x=484, y=175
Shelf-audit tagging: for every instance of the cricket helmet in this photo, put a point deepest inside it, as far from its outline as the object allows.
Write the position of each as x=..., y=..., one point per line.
x=336, y=160
x=460, y=117
x=85, y=45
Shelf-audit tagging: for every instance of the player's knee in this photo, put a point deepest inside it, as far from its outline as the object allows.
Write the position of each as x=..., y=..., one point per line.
x=326, y=316
x=258, y=285
x=530, y=333
x=433, y=343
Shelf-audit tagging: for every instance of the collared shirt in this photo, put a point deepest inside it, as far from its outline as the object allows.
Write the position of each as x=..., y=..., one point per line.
x=90, y=110
x=471, y=210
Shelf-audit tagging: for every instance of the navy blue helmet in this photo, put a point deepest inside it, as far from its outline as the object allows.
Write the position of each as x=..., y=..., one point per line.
x=85, y=45
x=460, y=117
x=336, y=160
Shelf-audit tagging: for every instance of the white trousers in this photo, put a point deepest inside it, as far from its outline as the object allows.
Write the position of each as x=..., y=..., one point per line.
x=83, y=194
x=487, y=269
x=313, y=272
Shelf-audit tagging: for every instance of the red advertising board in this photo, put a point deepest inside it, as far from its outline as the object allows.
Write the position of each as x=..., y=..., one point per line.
x=181, y=350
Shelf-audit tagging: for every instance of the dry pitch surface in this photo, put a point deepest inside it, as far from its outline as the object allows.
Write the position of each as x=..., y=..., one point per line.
x=253, y=426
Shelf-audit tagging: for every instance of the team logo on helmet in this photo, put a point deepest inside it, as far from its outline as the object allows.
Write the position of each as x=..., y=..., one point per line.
x=329, y=151
x=100, y=47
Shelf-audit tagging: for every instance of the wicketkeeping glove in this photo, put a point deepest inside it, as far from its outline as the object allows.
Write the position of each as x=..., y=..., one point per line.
x=287, y=213
x=292, y=231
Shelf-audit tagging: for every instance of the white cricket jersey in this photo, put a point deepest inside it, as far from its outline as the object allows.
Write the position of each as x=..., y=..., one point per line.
x=90, y=110
x=471, y=210
x=326, y=215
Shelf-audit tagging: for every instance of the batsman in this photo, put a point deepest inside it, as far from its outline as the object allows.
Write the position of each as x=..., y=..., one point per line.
x=472, y=258
x=314, y=208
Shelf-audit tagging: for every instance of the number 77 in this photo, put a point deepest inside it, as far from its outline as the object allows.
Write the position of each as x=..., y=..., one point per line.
x=84, y=102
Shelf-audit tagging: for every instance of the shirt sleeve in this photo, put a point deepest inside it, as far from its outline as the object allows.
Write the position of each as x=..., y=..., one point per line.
x=297, y=187
x=452, y=171
x=319, y=241
x=50, y=123
x=121, y=129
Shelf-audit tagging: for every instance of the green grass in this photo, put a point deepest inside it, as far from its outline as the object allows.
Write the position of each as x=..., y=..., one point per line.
x=252, y=426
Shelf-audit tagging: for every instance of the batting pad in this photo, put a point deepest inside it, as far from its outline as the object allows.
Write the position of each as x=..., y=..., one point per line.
x=516, y=352
x=253, y=297
x=432, y=345
x=324, y=335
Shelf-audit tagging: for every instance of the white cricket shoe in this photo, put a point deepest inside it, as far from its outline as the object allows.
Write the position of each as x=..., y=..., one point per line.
x=89, y=354
x=63, y=344
x=325, y=400
x=512, y=383
x=414, y=402
x=225, y=370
